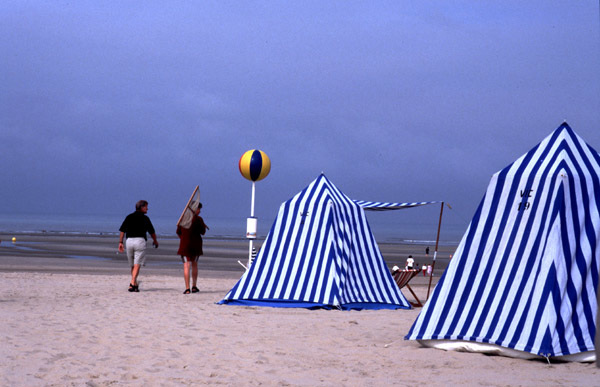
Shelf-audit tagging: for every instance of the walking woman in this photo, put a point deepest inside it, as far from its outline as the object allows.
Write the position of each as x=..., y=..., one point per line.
x=190, y=249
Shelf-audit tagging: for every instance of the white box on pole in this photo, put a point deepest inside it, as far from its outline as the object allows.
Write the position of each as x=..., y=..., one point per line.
x=251, y=227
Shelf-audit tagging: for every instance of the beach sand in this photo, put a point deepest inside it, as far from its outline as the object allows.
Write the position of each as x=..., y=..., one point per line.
x=68, y=320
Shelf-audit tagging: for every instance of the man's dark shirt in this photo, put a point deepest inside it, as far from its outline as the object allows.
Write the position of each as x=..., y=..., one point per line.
x=136, y=225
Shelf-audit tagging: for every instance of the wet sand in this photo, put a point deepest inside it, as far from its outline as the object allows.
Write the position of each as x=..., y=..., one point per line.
x=98, y=254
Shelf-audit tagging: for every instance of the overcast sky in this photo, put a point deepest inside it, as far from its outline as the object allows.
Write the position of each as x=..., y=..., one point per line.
x=105, y=103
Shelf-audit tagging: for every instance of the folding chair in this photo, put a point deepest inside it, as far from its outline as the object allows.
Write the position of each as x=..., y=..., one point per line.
x=402, y=278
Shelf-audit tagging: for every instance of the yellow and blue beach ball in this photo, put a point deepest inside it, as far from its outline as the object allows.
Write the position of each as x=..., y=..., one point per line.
x=255, y=165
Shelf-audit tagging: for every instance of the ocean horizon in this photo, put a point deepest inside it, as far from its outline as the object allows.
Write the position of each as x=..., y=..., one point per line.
x=384, y=230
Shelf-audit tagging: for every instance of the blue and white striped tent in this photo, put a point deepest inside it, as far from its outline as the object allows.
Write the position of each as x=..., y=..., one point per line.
x=525, y=274
x=320, y=252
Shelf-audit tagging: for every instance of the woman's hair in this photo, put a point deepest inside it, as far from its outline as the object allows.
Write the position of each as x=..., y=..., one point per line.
x=140, y=204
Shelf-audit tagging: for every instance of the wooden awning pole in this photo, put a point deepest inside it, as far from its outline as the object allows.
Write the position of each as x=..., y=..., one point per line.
x=437, y=241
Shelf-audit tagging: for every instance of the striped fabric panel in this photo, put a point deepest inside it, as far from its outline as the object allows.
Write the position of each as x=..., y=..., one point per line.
x=320, y=250
x=383, y=206
x=367, y=271
x=403, y=277
x=525, y=273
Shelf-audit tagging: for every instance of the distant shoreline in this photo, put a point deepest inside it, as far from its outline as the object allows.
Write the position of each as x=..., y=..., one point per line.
x=93, y=253
x=104, y=225
x=7, y=235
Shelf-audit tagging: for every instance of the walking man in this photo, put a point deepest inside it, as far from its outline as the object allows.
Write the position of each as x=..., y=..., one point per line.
x=134, y=229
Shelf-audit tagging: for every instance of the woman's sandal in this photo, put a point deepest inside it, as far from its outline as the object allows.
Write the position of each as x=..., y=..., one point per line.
x=131, y=288
x=195, y=289
x=187, y=291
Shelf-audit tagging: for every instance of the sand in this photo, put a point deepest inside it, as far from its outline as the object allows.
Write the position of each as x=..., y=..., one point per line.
x=71, y=322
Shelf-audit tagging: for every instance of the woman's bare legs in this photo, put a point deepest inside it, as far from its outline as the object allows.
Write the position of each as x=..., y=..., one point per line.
x=186, y=274
x=194, y=273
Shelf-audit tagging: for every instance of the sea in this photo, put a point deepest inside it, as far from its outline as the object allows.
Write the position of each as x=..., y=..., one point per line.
x=385, y=229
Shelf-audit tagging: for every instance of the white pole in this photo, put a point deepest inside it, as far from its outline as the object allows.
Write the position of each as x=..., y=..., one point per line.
x=253, y=194
x=252, y=215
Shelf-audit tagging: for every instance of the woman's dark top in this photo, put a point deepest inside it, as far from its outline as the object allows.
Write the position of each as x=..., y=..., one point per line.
x=190, y=239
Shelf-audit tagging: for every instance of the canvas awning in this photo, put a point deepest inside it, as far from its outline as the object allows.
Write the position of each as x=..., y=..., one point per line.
x=383, y=206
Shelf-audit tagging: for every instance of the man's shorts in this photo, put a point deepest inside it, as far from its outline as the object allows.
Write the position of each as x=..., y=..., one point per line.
x=136, y=251
x=187, y=259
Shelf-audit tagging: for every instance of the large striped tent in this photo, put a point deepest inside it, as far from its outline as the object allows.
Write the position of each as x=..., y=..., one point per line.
x=525, y=274
x=320, y=252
